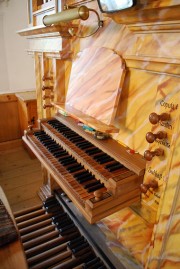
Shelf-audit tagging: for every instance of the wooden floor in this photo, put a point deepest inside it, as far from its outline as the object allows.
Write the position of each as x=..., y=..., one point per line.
x=20, y=175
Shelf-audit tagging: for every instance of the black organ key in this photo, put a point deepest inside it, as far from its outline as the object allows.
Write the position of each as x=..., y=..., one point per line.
x=67, y=162
x=76, y=241
x=66, y=130
x=116, y=167
x=105, y=160
x=41, y=136
x=47, y=203
x=59, y=216
x=81, y=174
x=66, y=158
x=52, y=145
x=91, y=184
x=82, y=180
x=83, y=143
x=75, y=168
x=38, y=133
x=96, y=187
x=60, y=154
x=99, y=156
x=76, y=139
x=45, y=140
x=114, y=164
x=53, y=149
x=85, y=147
x=86, y=175
x=111, y=164
x=98, y=265
x=93, y=151
x=68, y=135
x=61, y=225
x=80, y=247
x=68, y=229
x=90, y=263
x=52, y=209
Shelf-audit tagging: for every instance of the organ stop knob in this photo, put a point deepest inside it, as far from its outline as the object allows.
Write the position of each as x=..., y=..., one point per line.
x=155, y=118
x=148, y=155
x=146, y=186
x=150, y=137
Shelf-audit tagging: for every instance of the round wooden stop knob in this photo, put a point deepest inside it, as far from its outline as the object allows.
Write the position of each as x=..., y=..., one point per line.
x=150, y=137
x=143, y=188
x=98, y=195
x=153, y=184
x=155, y=118
x=148, y=155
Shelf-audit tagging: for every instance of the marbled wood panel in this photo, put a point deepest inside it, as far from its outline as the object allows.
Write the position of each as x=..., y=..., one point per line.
x=167, y=101
x=112, y=35
x=129, y=237
x=165, y=241
x=158, y=45
x=137, y=102
x=96, y=81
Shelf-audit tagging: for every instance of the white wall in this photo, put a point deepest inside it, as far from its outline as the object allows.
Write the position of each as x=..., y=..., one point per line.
x=4, y=81
x=16, y=66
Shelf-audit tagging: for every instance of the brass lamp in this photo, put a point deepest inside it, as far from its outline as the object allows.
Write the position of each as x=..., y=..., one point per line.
x=67, y=15
x=81, y=12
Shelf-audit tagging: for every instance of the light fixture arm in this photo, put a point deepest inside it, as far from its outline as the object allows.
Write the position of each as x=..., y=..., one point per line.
x=100, y=24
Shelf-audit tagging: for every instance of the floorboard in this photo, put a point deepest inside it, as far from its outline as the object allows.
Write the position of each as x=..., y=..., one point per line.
x=20, y=175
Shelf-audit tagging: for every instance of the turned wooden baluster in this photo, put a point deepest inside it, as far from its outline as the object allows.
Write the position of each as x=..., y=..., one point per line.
x=47, y=78
x=47, y=88
x=47, y=106
x=48, y=97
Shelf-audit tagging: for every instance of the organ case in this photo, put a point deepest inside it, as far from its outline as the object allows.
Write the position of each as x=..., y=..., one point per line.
x=150, y=85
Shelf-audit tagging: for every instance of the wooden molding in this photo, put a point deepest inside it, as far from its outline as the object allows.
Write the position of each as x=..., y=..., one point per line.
x=153, y=64
x=158, y=27
x=150, y=17
x=49, y=31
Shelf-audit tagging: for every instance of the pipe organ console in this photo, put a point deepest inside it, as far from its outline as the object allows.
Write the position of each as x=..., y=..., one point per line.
x=95, y=181
x=108, y=134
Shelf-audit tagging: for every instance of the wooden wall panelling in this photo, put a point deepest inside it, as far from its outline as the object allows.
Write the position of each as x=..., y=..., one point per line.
x=27, y=107
x=9, y=118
